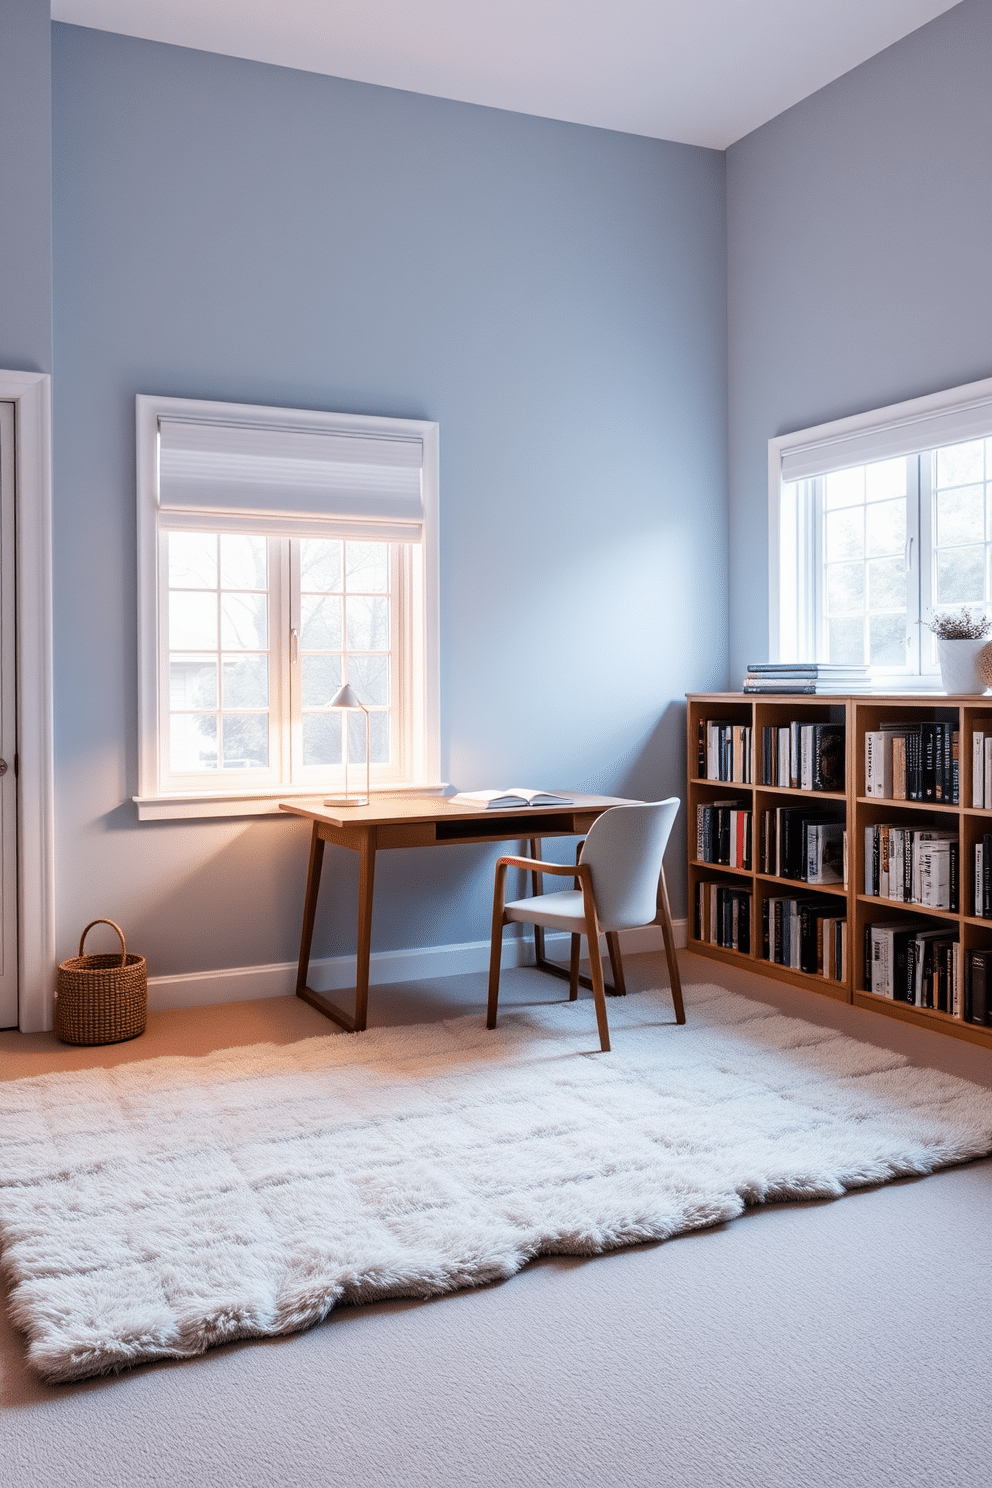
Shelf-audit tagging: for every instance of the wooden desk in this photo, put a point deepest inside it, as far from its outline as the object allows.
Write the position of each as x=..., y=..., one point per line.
x=417, y=821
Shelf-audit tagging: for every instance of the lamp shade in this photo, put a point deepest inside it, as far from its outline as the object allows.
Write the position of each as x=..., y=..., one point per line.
x=345, y=697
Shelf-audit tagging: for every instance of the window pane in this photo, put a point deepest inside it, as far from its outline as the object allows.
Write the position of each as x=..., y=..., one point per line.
x=380, y=737
x=960, y=464
x=321, y=679
x=244, y=622
x=356, y=738
x=887, y=584
x=885, y=528
x=246, y=741
x=192, y=683
x=961, y=515
x=960, y=575
x=845, y=534
x=368, y=624
x=320, y=565
x=885, y=479
x=887, y=640
x=845, y=588
x=322, y=738
x=367, y=567
x=193, y=741
x=243, y=562
x=192, y=560
x=321, y=623
x=246, y=684
x=369, y=676
x=847, y=641
x=192, y=621
x=845, y=488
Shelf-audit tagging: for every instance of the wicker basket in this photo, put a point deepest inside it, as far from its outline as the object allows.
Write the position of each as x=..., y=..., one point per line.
x=101, y=999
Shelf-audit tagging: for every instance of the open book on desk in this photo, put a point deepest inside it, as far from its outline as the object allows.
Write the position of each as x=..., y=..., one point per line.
x=516, y=796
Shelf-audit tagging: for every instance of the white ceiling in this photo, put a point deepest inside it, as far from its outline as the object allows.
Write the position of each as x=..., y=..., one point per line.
x=704, y=72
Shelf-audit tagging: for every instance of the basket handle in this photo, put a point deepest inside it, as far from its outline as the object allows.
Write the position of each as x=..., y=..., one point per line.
x=116, y=927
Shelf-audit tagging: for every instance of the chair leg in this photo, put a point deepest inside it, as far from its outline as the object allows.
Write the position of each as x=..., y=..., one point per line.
x=613, y=946
x=495, y=956
x=573, y=965
x=496, y=945
x=598, y=989
x=573, y=968
x=668, y=930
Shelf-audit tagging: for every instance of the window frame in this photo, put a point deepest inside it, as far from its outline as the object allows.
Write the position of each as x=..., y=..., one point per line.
x=910, y=428
x=416, y=628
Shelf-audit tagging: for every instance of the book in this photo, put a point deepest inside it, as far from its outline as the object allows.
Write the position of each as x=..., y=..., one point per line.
x=978, y=770
x=803, y=687
x=824, y=852
x=878, y=764
x=828, y=757
x=976, y=1005
x=979, y=908
x=887, y=959
x=514, y=796
x=808, y=669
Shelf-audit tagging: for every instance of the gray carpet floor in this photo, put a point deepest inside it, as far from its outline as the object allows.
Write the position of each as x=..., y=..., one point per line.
x=844, y=1343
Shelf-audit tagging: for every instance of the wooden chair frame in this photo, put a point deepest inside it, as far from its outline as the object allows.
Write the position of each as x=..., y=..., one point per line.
x=581, y=875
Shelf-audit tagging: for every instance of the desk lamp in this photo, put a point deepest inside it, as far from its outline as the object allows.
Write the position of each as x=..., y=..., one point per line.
x=347, y=701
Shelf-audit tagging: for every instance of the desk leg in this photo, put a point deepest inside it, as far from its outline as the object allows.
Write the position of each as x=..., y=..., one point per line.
x=309, y=909
x=366, y=884
x=542, y=962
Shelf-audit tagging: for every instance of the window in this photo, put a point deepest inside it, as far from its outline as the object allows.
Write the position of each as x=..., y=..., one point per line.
x=875, y=523
x=281, y=553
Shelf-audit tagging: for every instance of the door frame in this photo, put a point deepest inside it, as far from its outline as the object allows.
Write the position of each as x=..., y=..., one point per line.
x=31, y=395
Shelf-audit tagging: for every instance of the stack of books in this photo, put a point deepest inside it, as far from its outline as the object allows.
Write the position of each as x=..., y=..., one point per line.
x=806, y=676
x=921, y=967
x=806, y=934
x=913, y=762
x=916, y=866
x=803, y=756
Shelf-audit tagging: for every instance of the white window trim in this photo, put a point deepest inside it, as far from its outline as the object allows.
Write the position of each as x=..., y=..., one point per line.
x=425, y=766
x=911, y=427
x=31, y=394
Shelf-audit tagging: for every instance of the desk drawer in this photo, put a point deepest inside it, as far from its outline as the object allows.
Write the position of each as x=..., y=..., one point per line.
x=406, y=834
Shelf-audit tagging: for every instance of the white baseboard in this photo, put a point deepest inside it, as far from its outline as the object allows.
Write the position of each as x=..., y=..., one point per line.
x=242, y=983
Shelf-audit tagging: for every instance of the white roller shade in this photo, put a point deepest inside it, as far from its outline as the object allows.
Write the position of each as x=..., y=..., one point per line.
x=904, y=432
x=289, y=480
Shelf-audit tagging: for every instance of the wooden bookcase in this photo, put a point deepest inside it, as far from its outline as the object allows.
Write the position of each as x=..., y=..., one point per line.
x=860, y=715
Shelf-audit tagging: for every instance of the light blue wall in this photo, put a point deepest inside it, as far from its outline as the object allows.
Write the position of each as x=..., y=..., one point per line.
x=553, y=295
x=25, y=186
x=859, y=263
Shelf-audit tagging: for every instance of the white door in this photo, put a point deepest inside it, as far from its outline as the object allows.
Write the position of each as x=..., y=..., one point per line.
x=8, y=729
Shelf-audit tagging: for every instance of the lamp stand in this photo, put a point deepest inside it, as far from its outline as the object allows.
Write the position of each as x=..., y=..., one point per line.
x=348, y=799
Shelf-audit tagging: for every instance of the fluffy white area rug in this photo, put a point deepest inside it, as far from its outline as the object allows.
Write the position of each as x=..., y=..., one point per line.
x=154, y=1209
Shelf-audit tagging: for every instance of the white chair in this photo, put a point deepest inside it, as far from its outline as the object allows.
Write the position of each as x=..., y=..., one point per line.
x=621, y=885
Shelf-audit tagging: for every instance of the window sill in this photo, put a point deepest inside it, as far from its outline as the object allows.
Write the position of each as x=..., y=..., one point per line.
x=258, y=803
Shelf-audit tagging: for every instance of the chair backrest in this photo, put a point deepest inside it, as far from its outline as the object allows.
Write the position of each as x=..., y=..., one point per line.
x=624, y=848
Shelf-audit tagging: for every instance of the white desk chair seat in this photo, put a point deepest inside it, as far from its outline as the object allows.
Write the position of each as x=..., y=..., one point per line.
x=620, y=872
x=565, y=910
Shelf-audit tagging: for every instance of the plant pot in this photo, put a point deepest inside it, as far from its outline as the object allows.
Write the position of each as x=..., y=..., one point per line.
x=959, y=665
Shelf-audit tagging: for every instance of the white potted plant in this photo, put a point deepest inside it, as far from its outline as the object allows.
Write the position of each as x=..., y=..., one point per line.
x=962, y=638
